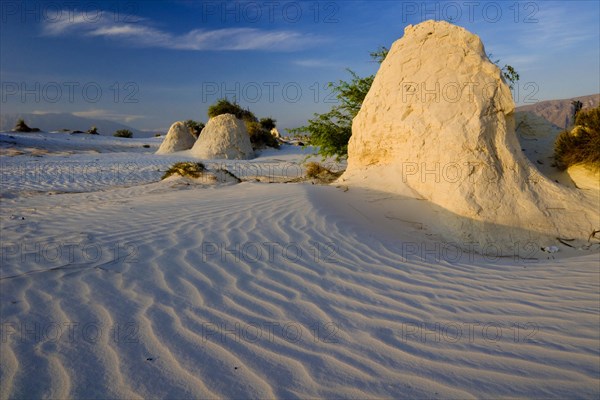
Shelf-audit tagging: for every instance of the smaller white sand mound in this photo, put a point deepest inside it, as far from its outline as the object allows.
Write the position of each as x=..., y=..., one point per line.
x=179, y=138
x=224, y=137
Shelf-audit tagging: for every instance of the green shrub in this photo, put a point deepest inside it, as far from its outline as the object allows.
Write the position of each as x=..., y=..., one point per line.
x=21, y=126
x=268, y=123
x=93, y=131
x=188, y=168
x=580, y=145
x=195, y=127
x=123, y=133
x=260, y=137
x=224, y=106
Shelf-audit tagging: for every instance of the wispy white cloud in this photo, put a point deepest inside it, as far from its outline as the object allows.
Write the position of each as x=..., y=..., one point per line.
x=143, y=34
x=109, y=115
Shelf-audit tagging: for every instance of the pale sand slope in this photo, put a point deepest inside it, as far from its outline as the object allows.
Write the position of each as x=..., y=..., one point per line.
x=381, y=310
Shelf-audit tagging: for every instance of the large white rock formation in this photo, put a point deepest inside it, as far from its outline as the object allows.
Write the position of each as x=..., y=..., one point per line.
x=438, y=123
x=224, y=137
x=178, y=138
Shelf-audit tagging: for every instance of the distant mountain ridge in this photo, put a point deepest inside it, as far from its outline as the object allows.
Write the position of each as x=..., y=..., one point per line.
x=560, y=112
x=57, y=121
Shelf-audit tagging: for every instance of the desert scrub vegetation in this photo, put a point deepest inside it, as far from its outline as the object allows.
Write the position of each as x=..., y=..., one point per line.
x=195, y=170
x=186, y=169
x=195, y=127
x=22, y=127
x=224, y=106
x=580, y=145
x=268, y=123
x=322, y=174
x=259, y=136
x=123, y=133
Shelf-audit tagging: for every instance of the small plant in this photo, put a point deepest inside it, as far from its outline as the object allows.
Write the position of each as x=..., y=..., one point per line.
x=268, y=123
x=224, y=106
x=260, y=137
x=195, y=127
x=21, y=126
x=580, y=145
x=93, y=131
x=187, y=168
x=577, y=106
x=123, y=133
x=314, y=170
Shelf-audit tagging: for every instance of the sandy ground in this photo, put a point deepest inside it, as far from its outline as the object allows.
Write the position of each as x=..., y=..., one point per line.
x=115, y=284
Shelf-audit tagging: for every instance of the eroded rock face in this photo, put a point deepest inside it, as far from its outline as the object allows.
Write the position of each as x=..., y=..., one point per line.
x=224, y=137
x=438, y=120
x=178, y=138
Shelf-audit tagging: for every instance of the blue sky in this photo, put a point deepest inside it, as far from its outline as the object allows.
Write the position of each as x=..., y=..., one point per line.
x=150, y=63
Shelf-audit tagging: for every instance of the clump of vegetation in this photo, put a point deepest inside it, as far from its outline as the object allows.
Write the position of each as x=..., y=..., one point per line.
x=93, y=131
x=123, y=133
x=268, y=123
x=259, y=136
x=21, y=126
x=195, y=127
x=577, y=106
x=224, y=106
x=187, y=168
x=317, y=171
x=580, y=145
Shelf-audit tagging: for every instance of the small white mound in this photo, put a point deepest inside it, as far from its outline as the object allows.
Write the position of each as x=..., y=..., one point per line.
x=438, y=122
x=179, y=138
x=223, y=137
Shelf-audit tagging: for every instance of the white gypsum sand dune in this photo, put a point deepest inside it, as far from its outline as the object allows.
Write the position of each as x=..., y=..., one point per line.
x=138, y=288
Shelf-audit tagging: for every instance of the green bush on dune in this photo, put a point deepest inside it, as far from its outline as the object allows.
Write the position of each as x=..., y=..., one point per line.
x=22, y=127
x=259, y=136
x=580, y=145
x=123, y=133
x=317, y=171
x=224, y=106
x=187, y=168
x=195, y=127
